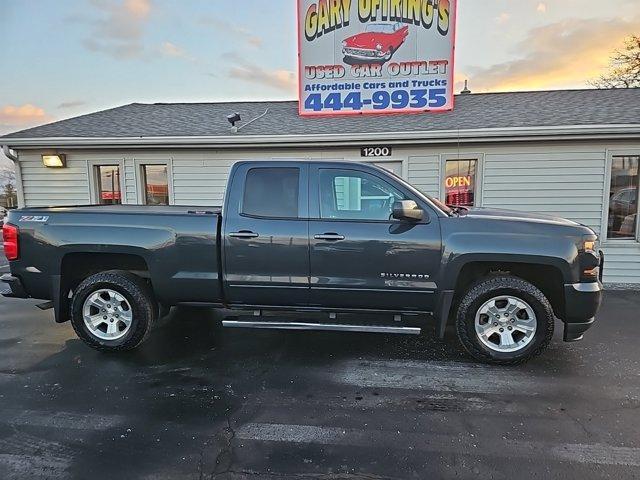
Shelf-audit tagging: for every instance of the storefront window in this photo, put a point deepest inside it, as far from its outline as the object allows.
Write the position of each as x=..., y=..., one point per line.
x=460, y=182
x=108, y=184
x=155, y=183
x=623, y=198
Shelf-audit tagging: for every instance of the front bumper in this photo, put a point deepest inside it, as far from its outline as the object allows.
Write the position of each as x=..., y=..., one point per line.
x=582, y=301
x=363, y=54
x=16, y=289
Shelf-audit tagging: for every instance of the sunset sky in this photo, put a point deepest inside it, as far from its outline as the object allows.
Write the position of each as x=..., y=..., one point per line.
x=68, y=57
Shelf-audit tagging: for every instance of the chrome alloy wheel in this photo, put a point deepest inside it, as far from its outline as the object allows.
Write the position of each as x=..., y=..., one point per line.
x=107, y=314
x=505, y=324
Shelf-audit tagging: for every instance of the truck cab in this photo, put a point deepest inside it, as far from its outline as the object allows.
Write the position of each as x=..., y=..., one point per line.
x=324, y=234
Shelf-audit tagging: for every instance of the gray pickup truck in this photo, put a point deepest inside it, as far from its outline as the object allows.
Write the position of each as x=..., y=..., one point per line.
x=339, y=240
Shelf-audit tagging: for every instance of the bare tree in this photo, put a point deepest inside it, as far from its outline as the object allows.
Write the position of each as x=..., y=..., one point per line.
x=624, y=67
x=8, y=194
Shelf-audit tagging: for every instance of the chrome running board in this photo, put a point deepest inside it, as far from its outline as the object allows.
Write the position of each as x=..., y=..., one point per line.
x=320, y=326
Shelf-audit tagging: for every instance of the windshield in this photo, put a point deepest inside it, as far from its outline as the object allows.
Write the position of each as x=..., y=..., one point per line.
x=380, y=28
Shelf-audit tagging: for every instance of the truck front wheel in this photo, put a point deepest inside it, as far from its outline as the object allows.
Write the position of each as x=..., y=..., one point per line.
x=504, y=320
x=113, y=311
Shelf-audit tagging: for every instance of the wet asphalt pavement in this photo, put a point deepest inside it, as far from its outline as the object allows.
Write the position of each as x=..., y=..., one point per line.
x=197, y=401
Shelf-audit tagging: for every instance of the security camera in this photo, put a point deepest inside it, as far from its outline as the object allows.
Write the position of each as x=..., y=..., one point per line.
x=233, y=118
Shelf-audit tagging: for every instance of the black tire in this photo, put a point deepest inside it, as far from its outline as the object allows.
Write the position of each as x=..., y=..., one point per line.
x=494, y=286
x=136, y=291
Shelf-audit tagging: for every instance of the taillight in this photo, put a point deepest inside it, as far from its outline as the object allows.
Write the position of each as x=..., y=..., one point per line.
x=10, y=237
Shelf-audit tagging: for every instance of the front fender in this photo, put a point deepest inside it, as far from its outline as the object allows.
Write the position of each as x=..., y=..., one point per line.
x=462, y=248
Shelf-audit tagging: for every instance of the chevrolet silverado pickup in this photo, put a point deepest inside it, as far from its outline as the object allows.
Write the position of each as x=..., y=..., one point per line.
x=351, y=245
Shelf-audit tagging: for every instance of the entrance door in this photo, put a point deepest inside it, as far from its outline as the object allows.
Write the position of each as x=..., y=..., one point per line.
x=266, y=246
x=359, y=256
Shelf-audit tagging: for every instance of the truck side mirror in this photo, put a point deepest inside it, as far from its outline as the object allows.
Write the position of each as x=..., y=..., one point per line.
x=407, y=210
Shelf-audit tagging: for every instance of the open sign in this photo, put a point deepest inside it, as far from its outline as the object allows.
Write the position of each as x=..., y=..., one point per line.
x=458, y=181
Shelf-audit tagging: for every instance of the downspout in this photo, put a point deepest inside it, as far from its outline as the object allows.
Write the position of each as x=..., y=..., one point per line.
x=13, y=157
x=9, y=153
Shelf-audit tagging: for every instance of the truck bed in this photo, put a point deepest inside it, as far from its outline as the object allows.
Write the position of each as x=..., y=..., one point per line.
x=176, y=245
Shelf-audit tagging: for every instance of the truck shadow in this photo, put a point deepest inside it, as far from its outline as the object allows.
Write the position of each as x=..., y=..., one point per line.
x=189, y=335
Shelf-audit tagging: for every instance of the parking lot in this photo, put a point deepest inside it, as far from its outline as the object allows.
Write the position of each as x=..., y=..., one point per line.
x=197, y=401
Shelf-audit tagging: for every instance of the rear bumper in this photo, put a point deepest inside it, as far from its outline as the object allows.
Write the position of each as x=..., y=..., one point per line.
x=582, y=301
x=16, y=289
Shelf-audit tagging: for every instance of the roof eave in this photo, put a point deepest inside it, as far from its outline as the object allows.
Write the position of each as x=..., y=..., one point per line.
x=394, y=138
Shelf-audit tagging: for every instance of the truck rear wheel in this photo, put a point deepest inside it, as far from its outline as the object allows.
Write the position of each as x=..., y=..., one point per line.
x=504, y=320
x=113, y=311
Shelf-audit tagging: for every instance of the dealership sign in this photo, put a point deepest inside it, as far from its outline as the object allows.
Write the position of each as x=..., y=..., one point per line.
x=375, y=56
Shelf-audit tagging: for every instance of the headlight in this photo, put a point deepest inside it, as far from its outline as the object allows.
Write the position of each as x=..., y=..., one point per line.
x=344, y=44
x=590, y=258
x=378, y=47
x=591, y=245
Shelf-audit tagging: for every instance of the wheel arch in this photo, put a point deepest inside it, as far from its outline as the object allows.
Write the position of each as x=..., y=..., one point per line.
x=548, y=274
x=76, y=266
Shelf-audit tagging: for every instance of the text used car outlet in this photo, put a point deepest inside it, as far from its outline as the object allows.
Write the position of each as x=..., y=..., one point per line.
x=339, y=240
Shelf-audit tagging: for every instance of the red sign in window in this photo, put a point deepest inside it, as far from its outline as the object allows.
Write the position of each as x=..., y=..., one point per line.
x=459, y=182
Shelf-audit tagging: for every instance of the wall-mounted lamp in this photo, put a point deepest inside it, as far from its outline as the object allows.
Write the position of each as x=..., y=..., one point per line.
x=58, y=160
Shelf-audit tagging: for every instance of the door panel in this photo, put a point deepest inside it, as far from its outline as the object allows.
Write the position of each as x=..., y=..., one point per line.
x=385, y=266
x=359, y=258
x=266, y=236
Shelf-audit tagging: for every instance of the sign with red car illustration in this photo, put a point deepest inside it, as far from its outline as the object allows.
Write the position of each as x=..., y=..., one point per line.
x=375, y=56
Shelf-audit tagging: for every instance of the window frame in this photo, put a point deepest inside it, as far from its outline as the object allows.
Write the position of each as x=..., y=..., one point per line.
x=479, y=180
x=604, y=226
x=94, y=182
x=139, y=165
x=301, y=175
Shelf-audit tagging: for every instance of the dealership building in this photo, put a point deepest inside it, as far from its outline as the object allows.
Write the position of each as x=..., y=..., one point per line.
x=569, y=153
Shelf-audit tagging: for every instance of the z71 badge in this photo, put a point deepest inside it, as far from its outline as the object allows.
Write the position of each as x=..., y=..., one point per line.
x=34, y=218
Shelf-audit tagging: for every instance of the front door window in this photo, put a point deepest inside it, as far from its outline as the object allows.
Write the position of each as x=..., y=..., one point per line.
x=353, y=195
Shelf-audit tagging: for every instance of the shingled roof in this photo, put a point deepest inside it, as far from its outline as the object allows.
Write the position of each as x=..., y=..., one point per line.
x=477, y=111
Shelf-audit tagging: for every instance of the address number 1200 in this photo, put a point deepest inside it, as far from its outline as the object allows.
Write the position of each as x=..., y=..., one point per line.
x=379, y=100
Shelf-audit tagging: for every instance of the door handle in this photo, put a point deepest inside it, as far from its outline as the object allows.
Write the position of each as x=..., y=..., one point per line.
x=243, y=234
x=329, y=236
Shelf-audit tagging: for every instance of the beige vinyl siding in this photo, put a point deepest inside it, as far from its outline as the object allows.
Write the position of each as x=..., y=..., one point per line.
x=424, y=173
x=200, y=181
x=567, y=184
x=130, y=185
x=622, y=263
x=53, y=186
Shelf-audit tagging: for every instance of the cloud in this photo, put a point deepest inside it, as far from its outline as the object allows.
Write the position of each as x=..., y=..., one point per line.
x=245, y=34
x=503, y=18
x=284, y=80
x=72, y=104
x=169, y=49
x=280, y=79
x=558, y=55
x=22, y=116
x=120, y=29
x=542, y=7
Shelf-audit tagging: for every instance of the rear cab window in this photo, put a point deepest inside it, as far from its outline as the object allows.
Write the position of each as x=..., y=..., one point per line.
x=272, y=192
